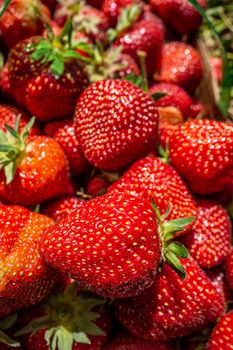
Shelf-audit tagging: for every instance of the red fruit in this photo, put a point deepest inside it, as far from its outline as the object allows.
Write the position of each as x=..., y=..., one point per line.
x=217, y=67
x=112, y=9
x=181, y=15
x=115, y=123
x=22, y=19
x=181, y=64
x=130, y=66
x=210, y=238
x=60, y=208
x=5, y=85
x=202, y=152
x=95, y=3
x=229, y=269
x=196, y=109
x=24, y=278
x=218, y=279
x=166, y=129
x=151, y=178
x=171, y=307
x=51, y=4
x=97, y=185
x=222, y=335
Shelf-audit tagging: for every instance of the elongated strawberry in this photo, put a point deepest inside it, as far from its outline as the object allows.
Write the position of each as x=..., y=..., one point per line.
x=171, y=307
x=22, y=19
x=222, y=335
x=115, y=123
x=82, y=245
x=202, y=152
x=25, y=280
x=33, y=169
x=151, y=178
x=210, y=237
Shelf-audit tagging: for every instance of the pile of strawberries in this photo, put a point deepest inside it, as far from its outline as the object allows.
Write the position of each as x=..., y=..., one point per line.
x=115, y=185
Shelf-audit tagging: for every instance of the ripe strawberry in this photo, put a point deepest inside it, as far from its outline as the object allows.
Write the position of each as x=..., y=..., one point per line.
x=218, y=279
x=64, y=134
x=181, y=15
x=181, y=64
x=229, y=269
x=202, y=152
x=48, y=90
x=5, y=85
x=97, y=185
x=210, y=238
x=60, y=208
x=25, y=280
x=130, y=66
x=113, y=8
x=222, y=335
x=82, y=245
x=51, y=4
x=171, y=307
x=22, y=19
x=33, y=169
x=115, y=123
x=166, y=129
x=151, y=178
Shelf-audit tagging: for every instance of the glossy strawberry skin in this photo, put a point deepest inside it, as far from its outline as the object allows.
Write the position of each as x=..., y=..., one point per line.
x=115, y=123
x=112, y=223
x=181, y=64
x=210, y=237
x=222, y=335
x=97, y=185
x=151, y=178
x=25, y=280
x=130, y=66
x=179, y=14
x=229, y=269
x=218, y=279
x=202, y=152
x=113, y=8
x=41, y=175
x=171, y=307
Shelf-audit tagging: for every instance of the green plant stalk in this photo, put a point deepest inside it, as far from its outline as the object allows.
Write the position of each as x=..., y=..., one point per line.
x=6, y=4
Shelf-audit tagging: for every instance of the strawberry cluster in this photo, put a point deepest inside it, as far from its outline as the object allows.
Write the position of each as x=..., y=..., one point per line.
x=116, y=184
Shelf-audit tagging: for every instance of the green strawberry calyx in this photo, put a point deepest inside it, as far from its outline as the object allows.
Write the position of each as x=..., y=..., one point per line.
x=5, y=324
x=12, y=147
x=172, y=250
x=69, y=318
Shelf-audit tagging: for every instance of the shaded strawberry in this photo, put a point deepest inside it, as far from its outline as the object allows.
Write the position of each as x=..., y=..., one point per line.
x=113, y=8
x=222, y=336
x=97, y=185
x=51, y=4
x=115, y=123
x=229, y=269
x=218, y=279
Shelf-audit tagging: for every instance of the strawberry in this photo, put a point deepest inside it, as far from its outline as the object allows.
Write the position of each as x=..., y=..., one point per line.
x=51, y=4
x=210, y=238
x=151, y=178
x=109, y=117
x=33, y=169
x=171, y=307
x=229, y=269
x=25, y=280
x=181, y=64
x=130, y=66
x=113, y=8
x=222, y=335
x=166, y=128
x=22, y=19
x=64, y=134
x=181, y=15
x=218, y=279
x=97, y=185
x=5, y=85
x=202, y=152
x=47, y=89
x=81, y=245
x=60, y=208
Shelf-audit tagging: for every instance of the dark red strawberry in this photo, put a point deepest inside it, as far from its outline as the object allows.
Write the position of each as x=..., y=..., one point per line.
x=166, y=129
x=181, y=64
x=151, y=178
x=181, y=15
x=210, y=237
x=113, y=8
x=130, y=66
x=196, y=109
x=222, y=335
x=229, y=269
x=97, y=185
x=22, y=19
x=171, y=307
x=5, y=85
x=115, y=123
x=202, y=152
x=218, y=279
x=95, y=3
x=51, y=4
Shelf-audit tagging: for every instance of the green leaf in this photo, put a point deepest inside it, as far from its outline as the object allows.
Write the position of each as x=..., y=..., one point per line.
x=8, y=321
x=12, y=131
x=167, y=212
x=35, y=325
x=178, y=249
x=136, y=80
x=81, y=337
x=4, y=7
x=38, y=54
x=64, y=339
x=57, y=66
x=156, y=209
x=158, y=95
x=174, y=262
x=5, y=339
x=27, y=128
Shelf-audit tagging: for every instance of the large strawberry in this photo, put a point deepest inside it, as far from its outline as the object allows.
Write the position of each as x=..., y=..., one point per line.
x=45, y=76
x=151, y=178
x=210, y=237
x=34, y=169
x=171, y=307
x=222, y=335
x=229, y=268
x=181, y=15
x=115, y=123
x=202, y=152
x=22, y=19
x=112, y=245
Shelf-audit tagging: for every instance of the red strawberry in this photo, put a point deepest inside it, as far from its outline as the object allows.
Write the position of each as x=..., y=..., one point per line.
x=35, y=168
x=51, y=4
x=202, y=152
x=97, y=185
x=48, y=90
x=166, y=129
x=196, y=109
x=151, y=178
x=218, y=279
x=217, y=66
x=22, y=19
x=181, y=15
x=113, y=8
x=130, y=66
x=222, y=335
x=5, y=85
x=60, y=208
x=171, y=307
x=210, y=238
x=229, y=269
x=115, y=123
x=181, y=64
x=24, y=278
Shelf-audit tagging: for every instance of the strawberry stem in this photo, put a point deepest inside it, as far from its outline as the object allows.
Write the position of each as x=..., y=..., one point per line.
x=142, y=63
